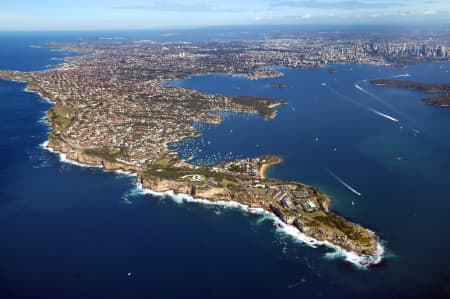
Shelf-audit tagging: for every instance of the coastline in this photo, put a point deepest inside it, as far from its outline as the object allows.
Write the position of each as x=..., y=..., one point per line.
x=266, y=166
x=440, y=92
x=360, y=261
x=71, y=155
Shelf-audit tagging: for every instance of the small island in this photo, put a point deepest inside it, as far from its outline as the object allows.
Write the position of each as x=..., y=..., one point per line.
x=113, y=109
x=440, y=100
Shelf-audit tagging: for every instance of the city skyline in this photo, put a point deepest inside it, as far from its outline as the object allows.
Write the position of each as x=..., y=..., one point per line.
x=157, y=14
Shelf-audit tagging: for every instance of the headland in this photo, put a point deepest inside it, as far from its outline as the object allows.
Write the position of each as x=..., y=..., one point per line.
x=442, y=99
x=113, y=110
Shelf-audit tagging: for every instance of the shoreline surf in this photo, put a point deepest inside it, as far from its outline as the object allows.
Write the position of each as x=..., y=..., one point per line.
x=357, y=260
x=361, y=262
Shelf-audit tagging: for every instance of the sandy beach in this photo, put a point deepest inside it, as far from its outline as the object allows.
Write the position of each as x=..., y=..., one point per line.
x=264, y=167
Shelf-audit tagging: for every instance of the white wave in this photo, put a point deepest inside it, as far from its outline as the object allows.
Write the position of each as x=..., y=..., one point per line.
x=136, y=191
x=367, y=92
x=374, y=96
x=383, y=115
x=63, y=157
x=343, y=183
x=264, y=217
x=363, y=106
x=40, y=162
x=44, y=99
x=360, y=88
x=44, y=145
x=355, y=259
x=402, y=75
x=125, y=200
x=361, y=261
x=124, y=173
x=44, y=119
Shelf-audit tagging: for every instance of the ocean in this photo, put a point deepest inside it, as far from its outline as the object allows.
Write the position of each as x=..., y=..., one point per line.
x=73, y=232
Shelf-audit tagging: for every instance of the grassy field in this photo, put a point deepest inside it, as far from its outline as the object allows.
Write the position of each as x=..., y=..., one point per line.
x=107, y=154
x=62, y=117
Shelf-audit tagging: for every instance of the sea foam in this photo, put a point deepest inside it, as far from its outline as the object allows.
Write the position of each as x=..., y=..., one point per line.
x=63, y=157
x=41, y=96
x=360, y=261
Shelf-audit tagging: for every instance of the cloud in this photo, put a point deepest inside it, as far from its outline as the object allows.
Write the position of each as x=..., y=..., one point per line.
x=296, y=18
x=430, y=12
x=390, y=14
x=174, y=6
x=341, y=5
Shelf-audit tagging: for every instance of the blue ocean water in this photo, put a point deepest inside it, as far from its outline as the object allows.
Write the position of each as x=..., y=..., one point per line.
x=73, y=232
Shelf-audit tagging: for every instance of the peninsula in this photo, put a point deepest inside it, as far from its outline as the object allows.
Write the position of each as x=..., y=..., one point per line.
x=113, y=109
x=442, y=99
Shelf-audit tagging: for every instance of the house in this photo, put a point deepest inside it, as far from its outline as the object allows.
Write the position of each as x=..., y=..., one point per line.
x=309, y=205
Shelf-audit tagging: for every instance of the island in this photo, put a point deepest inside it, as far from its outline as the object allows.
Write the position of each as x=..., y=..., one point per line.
x=114, y=109
x=442, y=99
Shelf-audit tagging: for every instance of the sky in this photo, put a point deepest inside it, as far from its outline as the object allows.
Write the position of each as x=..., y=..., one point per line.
x=160, y=14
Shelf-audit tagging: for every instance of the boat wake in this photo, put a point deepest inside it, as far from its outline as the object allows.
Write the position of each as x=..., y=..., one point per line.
x=360, y=88
x=402, y=75
x=383, y=114
x=374, y=96
x=343, y=183
x=348, y=99
x=360, y=261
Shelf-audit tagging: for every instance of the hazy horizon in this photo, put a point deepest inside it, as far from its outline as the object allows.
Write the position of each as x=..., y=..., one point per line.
x=52, y=15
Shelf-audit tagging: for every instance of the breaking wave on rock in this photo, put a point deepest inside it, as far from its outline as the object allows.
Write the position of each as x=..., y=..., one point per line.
x=362, y=262
x=63, y=157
